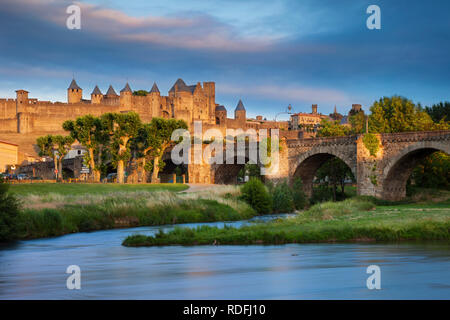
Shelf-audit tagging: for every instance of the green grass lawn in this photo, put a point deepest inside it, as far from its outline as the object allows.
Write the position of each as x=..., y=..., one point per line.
x=90, y=188
x=356, y=219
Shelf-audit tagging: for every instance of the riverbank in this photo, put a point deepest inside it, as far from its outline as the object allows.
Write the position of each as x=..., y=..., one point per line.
x=59, y=213
x=358, y=219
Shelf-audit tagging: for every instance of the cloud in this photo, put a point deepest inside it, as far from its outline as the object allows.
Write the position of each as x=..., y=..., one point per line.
x=290, y=93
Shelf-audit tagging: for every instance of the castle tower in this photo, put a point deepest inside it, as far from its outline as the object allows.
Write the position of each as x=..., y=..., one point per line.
x=74, y=92
x=240, y=113
x=155, y=96
x=21, y=100
x=125, y=96
x=210, y=91
x=221, y=115
x=96, y=96
x=111, y=93
x=155, y=89
x=314, y=109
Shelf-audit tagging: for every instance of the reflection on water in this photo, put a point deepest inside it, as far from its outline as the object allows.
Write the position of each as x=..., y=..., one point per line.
x=35, y=269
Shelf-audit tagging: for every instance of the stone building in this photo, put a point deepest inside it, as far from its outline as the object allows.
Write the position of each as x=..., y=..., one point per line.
x=24, y=119
x=307, y=121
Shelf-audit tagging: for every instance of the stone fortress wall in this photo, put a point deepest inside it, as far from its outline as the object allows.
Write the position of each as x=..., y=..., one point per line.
x=24, y=119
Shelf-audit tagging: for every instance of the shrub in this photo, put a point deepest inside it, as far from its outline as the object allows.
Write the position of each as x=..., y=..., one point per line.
x=283, y=200
x=255, y=194
x=9, y=214
x=299, y=197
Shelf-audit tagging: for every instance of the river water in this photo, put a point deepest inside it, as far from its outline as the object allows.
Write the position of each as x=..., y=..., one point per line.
x=35, y=269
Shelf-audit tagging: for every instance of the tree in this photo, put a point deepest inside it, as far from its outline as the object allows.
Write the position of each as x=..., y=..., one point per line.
x=56, y=147
x=398, y=114
x=439, y=112
x=358, y=122
x=141, y=93
x=145, y=142
x=255, y=194
x=46, y=149
x=122, y=127
x=300, y=200
x=283, y=200
x=332, y=129
x=89, y=132
x=62, y=145
x=433, y=171
x=9, y=214
x=163, y=140
x=336, y=173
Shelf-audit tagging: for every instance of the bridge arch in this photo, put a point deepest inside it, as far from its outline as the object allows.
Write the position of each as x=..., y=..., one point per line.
x=307, y=164
x=399, y=168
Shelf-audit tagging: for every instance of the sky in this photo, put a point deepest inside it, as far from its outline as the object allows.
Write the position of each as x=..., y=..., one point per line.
x=269, y=53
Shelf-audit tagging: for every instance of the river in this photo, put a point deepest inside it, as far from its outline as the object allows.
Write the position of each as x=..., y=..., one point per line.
x=35, y=269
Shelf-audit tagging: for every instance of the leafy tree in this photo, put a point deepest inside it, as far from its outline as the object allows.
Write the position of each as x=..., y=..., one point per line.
x=334, y=172
x=56, y=147
x=89, y=132
x=283, y=200
x=433, y=171
x=163, y=140
x=141, y=93
x=299, y=197
x=398, y=114
x=255, y=194
x=122, y=128
x=9, y=214
x=358, y=122
x=332, y=129
x=439, y=112
x=46, y=149
x=145, y=142
x=62, y=145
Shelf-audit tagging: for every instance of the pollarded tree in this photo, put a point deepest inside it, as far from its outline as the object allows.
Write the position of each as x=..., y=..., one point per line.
x=163, y=140
x=46, y=149
x=55, y=147
x=121, y=127
x=89, y=132
x=62, y=145
x=142, y=146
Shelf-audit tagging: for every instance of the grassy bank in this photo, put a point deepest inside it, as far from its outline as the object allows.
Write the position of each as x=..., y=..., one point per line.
x=26, y=189
x=54, y=214
x=356, y=219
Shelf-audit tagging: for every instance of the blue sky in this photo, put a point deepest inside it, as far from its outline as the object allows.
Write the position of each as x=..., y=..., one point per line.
x=267, y=53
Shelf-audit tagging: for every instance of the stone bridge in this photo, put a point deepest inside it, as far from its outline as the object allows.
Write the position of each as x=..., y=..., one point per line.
x=383, y=175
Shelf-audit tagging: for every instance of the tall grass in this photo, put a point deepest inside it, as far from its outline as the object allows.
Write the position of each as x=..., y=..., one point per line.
x=350, y=220
x=57, y=214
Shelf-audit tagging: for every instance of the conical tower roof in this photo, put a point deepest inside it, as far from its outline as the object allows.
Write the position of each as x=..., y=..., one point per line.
x=74, y=85
x=180, y=85
x=220, y=108
x=111, y=91
x=96, y=91
x=240, y=106
x=154, y=88
x=126, y=88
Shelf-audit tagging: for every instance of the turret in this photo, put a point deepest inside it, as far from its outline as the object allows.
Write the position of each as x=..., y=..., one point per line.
x=240, y=113
x=74, y=92
x=125, y=96
x=22, y=100
x=314, y=109
x=111, y=93
x=96, y=96
x=221, y=115
x=155, y=89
